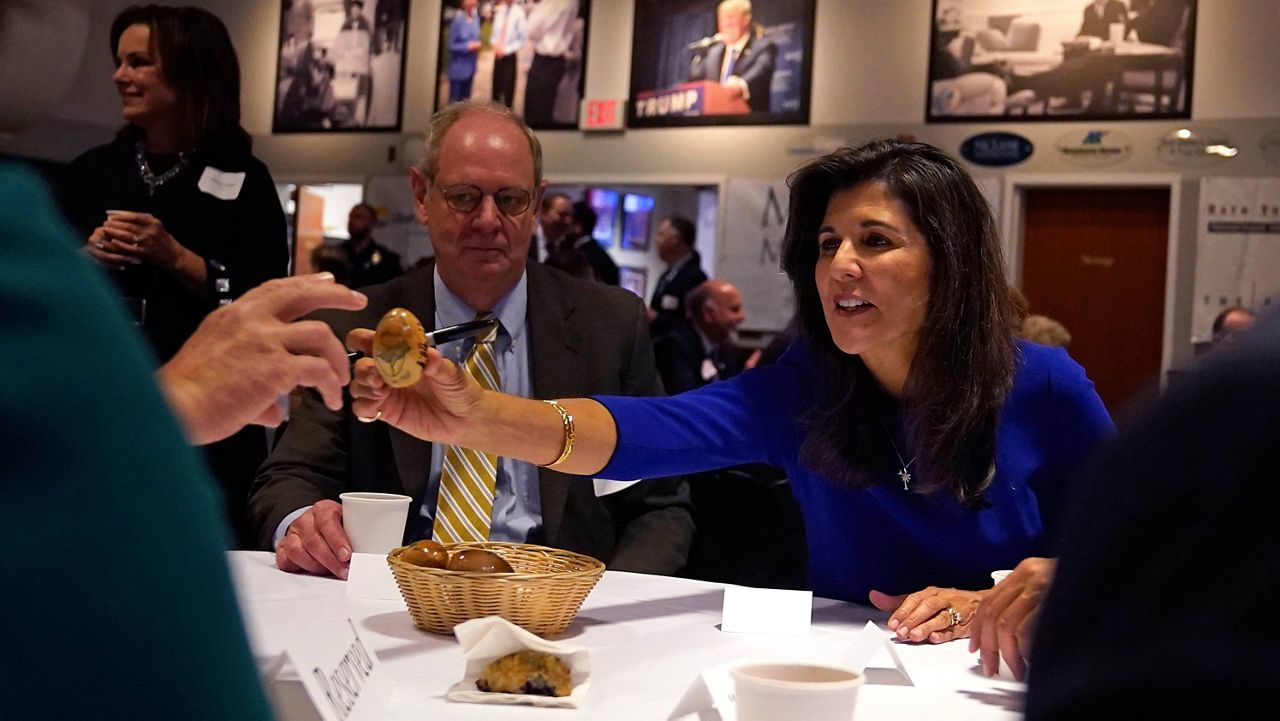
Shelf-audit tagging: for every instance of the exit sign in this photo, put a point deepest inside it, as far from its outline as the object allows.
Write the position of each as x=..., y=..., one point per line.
x=602, y=114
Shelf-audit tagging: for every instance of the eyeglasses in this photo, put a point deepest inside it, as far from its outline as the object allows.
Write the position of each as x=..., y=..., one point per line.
x=466, y=198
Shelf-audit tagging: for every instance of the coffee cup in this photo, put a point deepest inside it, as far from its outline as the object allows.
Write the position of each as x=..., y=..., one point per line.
x=810, y=691
x=374, y=522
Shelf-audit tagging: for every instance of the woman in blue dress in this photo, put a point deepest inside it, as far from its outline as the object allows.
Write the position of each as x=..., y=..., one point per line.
x=925, y=445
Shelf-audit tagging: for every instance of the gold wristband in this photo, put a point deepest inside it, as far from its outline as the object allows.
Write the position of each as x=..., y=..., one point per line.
x=568, y=434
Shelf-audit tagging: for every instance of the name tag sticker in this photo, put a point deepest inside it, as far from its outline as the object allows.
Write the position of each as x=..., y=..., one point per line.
x=669, y=302
x=709, y=369
x=221, y=184
x=340, y=672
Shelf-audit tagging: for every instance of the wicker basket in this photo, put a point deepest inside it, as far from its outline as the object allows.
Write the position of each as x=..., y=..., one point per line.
x=542, y=596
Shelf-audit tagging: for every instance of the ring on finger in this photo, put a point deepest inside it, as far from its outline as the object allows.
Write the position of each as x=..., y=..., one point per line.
x=99, y=245
x=952, y=614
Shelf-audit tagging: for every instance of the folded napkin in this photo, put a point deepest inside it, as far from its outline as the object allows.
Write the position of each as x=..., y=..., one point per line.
x=492, y=637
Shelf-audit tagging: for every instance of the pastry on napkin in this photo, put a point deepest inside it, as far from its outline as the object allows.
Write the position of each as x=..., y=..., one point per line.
x=487, y=639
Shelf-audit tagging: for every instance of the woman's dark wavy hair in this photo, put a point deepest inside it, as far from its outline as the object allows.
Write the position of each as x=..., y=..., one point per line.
x=965, y=356
x=199, y=62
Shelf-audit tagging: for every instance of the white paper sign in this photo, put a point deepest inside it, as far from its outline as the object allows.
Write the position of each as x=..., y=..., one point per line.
x=369, y=577
x=221, y=184
x=749, y=253
x=340, y=672
x=1237, y=251
x=766, y=610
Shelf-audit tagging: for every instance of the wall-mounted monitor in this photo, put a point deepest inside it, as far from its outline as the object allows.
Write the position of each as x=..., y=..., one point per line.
x=637, y=212
x=605, y=203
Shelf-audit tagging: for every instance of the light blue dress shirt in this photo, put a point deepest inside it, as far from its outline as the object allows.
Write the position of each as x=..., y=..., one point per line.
x=517, y=507
x=517, y=503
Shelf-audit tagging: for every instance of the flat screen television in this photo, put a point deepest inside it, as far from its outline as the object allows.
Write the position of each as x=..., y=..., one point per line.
x=637, y=212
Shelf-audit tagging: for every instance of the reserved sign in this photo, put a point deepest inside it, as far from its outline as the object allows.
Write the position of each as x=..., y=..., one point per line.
x=340, y=673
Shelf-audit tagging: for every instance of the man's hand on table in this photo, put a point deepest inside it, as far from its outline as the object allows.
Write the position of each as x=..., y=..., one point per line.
x=316, y=543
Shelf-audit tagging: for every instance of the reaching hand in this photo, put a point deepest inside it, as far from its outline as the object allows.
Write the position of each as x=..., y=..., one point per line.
x=1005, y=623
x=928, y=615
x=436, y=408
x=244, y=356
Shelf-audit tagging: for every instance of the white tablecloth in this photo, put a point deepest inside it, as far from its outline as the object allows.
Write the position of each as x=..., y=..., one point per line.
x=649, y=637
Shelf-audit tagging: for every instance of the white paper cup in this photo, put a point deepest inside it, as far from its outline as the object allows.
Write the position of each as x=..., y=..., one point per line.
x=1005, y=671
x=374, y=522
x=810, y=691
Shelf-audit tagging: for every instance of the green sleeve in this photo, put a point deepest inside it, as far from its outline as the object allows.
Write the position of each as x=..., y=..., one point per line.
x=116, y=597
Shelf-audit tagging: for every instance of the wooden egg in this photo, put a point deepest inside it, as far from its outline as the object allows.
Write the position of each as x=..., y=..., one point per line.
x=399, y=348
x=478, y=561
x=426, y=553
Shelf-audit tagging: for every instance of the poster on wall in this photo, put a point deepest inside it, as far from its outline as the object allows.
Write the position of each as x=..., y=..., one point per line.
x=721, y=62
x=340, y=65
x=749, y=253
x=529, y=56
x=1237, y=250
x=1030, y=60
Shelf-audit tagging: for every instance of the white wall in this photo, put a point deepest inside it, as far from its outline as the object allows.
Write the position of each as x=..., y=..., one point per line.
x=870, y=65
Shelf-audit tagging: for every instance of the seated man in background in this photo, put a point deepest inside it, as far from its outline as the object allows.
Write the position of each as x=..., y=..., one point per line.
x=702, y=350
x=1230, y=323
x=731, y=505
x=478, y=190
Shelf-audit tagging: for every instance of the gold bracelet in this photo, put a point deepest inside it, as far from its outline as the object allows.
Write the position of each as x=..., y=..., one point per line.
x=568, y=434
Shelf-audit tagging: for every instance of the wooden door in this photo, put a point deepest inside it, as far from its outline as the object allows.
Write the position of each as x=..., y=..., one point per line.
x=309, y=229
x=1094, y=260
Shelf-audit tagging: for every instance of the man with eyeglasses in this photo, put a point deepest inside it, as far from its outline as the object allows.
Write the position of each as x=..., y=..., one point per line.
x=478, y=189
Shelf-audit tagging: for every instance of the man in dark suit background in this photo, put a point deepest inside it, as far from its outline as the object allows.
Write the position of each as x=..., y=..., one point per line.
x=693, y=354
x=674, y=241
x=478, y=191
x=741, y=59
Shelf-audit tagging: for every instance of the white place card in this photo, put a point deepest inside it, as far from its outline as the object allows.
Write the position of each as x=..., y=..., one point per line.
x=340, y=672
x=766, y=610
x=710, y=696
x=369, y=578
x=869, y=643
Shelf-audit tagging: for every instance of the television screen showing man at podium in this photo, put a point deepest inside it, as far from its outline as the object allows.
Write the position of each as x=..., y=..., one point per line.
x=721, y=62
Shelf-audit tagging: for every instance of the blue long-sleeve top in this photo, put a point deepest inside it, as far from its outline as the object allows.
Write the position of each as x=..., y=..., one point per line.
x=881, y=537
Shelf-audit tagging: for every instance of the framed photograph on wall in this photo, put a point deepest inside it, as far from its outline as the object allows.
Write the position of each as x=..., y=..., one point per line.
x=637, y=216
x=721, y=62
x=1029, y=60
x=633, y=279
x=529, y=56
x=340, y=66
x=605, y=203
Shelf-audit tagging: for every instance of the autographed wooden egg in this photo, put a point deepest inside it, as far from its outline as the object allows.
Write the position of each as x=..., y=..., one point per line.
x=398, y=348
x=426, y=553
x=478, y=561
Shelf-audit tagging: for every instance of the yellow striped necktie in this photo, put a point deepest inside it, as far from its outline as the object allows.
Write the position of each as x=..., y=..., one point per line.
x=464, y=506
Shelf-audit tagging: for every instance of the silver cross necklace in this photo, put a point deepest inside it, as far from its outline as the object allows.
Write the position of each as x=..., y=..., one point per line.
x=903, y=474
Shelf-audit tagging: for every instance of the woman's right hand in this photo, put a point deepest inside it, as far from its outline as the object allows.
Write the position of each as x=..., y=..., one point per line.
x=437, y=408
